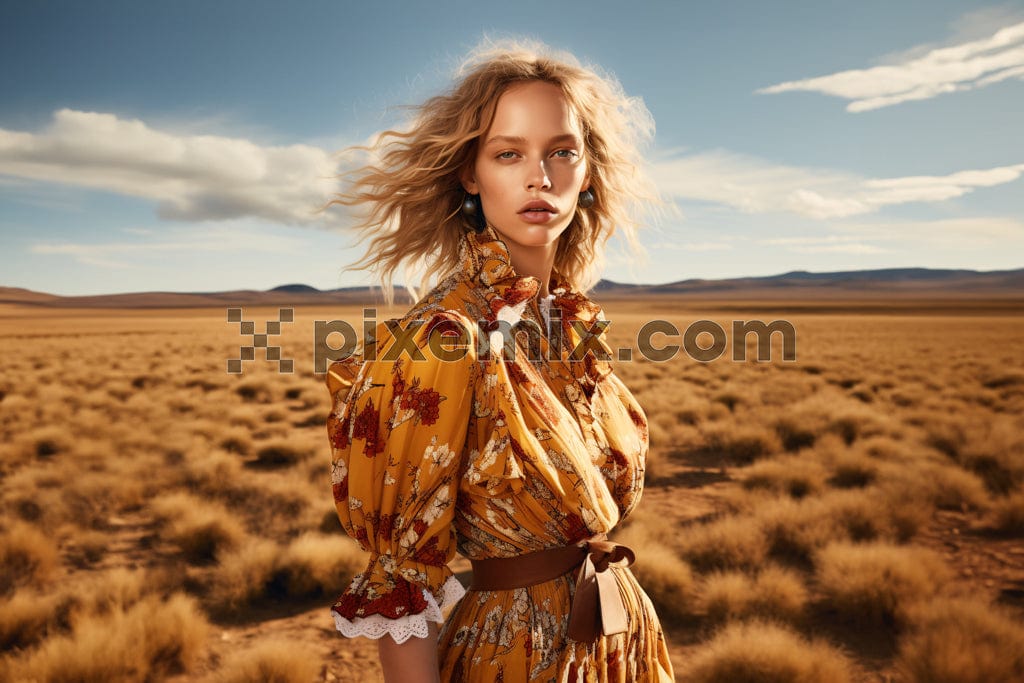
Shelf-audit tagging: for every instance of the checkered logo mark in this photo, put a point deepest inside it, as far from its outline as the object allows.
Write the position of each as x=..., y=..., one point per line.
x=272, y=353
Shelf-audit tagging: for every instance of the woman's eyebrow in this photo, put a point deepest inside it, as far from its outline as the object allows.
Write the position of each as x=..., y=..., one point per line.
x=515, y=139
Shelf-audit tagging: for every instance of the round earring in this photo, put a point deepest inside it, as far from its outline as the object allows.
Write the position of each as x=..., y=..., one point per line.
x=474, y=212
x=586, y=199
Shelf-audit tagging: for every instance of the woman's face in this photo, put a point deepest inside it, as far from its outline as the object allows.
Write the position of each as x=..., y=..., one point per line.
x=532, y=151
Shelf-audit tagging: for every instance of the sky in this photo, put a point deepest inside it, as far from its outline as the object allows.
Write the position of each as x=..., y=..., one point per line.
x=185, y=146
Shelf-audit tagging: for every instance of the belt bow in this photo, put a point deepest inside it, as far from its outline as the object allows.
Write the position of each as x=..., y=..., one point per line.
x=597, y=605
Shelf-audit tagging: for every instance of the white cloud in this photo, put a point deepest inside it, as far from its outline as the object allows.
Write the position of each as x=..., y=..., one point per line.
x=910, y=238
x=693, y=246
x=922, y=73
x=223, y=238
x=850, y=248
x=835, y=244
x=813, y=240
x=753, y=185
x=190, y=177
x=961, y=233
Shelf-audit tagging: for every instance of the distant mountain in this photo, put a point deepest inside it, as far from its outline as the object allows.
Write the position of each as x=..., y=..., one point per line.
x=879, y=285
x=294, y=289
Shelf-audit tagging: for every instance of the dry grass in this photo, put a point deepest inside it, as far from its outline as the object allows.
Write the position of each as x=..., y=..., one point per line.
x=200, y=529
x=954, y=640
x=774, y=592
x=311, y=566
x=938, y=485
x=793, y=475
x=794, y=433
x=86, y=548
x=26, y=617
x=150, y=639
x=726, y=543
x=271, y=661
x=1007, y=515
x=791, y=530
x=116, y=589
x=157, y=472
x=876, y=584
x=757, y=652
x=989, y=448
x=853, y=470
x=734, y=445
x=30, y=615
x=27, y=557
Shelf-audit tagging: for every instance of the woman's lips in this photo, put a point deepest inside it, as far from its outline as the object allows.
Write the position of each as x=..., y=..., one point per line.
x=536, y=216
x=537, y=204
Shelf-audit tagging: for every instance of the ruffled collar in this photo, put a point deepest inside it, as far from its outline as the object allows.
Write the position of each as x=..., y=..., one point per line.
x=486, y=259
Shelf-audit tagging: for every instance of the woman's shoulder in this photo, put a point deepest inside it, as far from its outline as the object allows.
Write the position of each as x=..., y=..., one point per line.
x=456, y=299
x=448, y=310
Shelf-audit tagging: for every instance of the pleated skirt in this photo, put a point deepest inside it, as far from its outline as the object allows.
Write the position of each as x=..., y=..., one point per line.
x=520, y=635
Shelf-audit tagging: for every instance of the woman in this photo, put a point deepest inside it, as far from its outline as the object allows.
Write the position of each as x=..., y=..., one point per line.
x=448, y=434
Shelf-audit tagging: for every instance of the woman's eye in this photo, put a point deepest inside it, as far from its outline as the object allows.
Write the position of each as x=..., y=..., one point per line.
x=569, y=153
x=502, y=155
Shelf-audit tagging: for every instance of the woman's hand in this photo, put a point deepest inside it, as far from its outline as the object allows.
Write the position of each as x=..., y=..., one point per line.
x=414, y=661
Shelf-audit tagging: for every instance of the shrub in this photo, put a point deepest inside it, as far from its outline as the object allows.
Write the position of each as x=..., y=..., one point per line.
x=114, y=590
x=200, y=529
x=759, y=652
x=254, y=391
x=774, y=593
x=278, y=455
x=792, y=531
x=851, y=471
x=955, y=640
x=1007, y=515
x=272, y=661
x=25, y=618
x=237, y=441
x=946, y=487
x=27, y=557
x=793, y=434
x=88, y=547
x=795, y=476
x=49, y=441
x=875, y=584
x=312, y=566
x=731, y=542
x=995, y=470
x=151, y=639
x=740, y=446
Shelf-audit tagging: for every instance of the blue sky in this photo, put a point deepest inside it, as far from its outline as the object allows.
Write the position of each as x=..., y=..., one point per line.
x=179, y=146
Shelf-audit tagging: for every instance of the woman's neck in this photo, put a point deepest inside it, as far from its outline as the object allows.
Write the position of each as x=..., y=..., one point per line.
x=534, y=261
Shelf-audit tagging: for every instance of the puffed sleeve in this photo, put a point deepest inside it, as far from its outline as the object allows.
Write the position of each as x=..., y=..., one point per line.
x=397, y=429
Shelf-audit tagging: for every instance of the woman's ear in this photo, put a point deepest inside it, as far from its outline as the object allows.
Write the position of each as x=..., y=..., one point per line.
x=468, y=179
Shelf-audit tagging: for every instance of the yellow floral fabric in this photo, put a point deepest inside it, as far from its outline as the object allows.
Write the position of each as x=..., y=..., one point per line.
x=443, y=442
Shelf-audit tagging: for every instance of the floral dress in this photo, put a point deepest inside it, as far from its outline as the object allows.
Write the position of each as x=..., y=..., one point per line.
x=444, y=442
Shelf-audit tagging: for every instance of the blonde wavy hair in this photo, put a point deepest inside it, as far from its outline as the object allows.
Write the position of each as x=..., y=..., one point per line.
x=411, y=190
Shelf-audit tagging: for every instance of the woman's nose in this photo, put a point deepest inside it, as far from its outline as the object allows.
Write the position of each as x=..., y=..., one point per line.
x=538, y=176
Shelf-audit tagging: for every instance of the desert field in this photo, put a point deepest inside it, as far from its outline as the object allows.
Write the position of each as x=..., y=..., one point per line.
x=856, y=514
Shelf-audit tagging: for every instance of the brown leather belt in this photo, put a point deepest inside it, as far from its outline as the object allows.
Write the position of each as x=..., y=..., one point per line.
x=597, y=605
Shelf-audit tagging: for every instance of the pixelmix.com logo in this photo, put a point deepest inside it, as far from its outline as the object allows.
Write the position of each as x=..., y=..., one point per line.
x=451, y=340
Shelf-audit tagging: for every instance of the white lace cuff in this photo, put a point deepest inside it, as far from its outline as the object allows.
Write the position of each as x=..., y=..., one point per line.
x=376, y=626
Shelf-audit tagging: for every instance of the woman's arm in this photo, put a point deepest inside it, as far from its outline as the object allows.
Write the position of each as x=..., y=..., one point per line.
x=414, y=661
